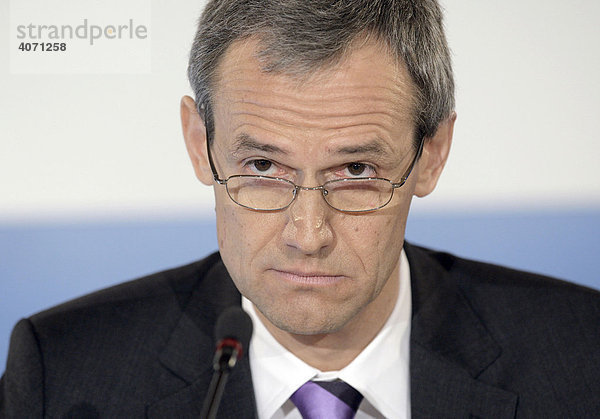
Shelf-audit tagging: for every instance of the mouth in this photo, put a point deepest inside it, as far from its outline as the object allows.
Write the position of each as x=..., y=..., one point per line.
x=309, y=278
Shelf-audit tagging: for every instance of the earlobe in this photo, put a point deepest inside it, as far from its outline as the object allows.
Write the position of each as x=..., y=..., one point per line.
x=434, y=157
x=194, y=134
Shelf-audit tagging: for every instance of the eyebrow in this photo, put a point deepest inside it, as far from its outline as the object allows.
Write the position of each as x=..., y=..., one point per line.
x=245, y=142
x=375, y=147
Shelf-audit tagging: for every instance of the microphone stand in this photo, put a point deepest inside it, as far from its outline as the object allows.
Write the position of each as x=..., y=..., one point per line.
x=226, y=357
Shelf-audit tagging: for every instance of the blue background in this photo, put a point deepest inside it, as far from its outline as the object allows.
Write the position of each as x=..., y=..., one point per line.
x=44, y=264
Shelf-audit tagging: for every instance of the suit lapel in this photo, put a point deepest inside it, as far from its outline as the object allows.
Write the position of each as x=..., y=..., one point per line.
x=190, y=349
x=442, y=389
x=450, y=348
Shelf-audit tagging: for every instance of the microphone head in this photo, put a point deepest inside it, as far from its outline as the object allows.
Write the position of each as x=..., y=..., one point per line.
x=234, y=323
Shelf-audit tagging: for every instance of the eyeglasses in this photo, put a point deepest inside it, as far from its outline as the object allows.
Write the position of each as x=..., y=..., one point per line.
x=353, y=195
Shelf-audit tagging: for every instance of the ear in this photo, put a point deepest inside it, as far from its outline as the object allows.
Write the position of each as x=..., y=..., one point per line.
x=194, y=134
x=434, y=157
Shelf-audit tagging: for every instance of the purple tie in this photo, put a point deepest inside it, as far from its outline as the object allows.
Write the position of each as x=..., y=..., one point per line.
x=326, y=400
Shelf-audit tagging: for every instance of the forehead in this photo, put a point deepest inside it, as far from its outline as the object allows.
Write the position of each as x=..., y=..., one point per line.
x=363, y=99
x=367, y=76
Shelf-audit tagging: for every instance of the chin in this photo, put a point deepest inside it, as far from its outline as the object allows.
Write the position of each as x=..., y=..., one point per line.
x=307, y=325
x=305, y=330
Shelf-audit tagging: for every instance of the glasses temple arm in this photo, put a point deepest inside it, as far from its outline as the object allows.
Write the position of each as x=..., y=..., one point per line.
x=208, y=130
x=404, y=178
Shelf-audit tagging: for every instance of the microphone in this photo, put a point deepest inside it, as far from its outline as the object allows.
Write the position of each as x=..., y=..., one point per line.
x=232, y=332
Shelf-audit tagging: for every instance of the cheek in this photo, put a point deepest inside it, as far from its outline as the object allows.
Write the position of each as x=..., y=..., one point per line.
x=227, y=226
x=377, y=242
x=225, y=221
x=243, y=236
x=231, y=234
x=378, y=232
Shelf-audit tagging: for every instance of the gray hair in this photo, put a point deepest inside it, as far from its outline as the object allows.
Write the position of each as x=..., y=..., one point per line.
x=302, y=36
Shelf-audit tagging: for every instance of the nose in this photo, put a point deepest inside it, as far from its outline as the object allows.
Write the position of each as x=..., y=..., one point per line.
x=308, y=229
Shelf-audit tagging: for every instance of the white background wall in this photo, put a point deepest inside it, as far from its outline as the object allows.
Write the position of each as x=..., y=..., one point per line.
x=109, y=145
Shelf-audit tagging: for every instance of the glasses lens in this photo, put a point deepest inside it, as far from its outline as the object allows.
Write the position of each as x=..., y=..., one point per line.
x=358, y=194
x=260, y=193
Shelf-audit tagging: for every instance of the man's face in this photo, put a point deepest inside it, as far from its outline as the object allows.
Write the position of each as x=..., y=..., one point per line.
x=310, y=269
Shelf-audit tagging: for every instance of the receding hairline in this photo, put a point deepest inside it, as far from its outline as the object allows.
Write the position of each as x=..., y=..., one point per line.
x=311, y=74
x=304, y=36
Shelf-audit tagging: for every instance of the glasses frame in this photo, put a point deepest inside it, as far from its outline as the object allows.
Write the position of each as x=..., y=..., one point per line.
x=297, y=188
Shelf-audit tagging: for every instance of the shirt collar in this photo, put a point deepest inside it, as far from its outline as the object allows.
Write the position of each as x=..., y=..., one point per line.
x=380, y=372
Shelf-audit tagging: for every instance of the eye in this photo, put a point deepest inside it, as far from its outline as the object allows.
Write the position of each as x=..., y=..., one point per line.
x=264, y=167
x=359, y=169
x=261, y=165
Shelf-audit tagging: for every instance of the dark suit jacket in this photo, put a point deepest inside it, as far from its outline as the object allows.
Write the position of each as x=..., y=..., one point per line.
x=486, y=342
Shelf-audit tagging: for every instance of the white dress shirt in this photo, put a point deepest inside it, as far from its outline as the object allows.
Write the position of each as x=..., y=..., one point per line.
x=380, y=372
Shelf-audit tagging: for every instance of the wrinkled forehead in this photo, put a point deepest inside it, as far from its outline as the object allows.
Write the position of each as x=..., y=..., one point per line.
x=366, y=64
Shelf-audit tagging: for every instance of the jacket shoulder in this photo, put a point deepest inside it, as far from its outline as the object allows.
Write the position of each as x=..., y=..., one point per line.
x=542, y=331
x=472, y=275
x=505, y=297
x=177, y=282
x=103, y=348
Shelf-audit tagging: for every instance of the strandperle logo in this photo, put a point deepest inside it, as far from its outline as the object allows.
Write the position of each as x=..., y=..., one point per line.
x=91, y=32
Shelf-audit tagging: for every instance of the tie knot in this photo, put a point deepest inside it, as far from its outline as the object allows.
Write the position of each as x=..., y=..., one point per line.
x=327, y=399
